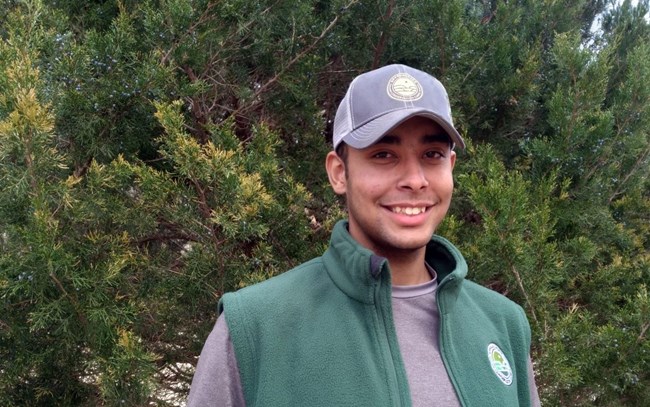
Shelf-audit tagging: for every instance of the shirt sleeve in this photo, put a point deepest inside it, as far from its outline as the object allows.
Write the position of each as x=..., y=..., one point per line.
x=534, y=396
x=216, y=381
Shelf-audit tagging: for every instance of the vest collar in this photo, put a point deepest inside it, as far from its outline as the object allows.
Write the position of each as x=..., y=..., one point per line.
x=356, y=270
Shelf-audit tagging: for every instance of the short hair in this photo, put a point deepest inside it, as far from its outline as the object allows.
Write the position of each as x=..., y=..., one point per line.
x=342, y=152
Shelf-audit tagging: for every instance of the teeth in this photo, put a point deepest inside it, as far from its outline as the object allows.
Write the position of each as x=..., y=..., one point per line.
x=409, y=210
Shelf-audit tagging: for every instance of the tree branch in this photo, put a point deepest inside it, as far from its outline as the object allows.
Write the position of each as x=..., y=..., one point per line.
x=263, y=88
x=379, y=49
x=644, y=329
x=520, y=283
x=629, y=174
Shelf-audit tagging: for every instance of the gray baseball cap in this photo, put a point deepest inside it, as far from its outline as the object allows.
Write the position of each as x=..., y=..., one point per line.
x=377, y=101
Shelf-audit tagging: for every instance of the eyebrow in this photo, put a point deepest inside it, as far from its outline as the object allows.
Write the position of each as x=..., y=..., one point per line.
x=426, y=139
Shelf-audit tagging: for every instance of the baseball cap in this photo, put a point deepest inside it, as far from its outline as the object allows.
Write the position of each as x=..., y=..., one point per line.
x=379, y=100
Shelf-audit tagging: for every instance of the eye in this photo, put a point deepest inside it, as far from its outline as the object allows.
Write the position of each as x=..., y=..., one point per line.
x=434, y=154
x=382, y=154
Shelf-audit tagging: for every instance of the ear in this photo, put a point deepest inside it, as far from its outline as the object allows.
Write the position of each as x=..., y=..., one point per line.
x=336, y=172
x=453, y=159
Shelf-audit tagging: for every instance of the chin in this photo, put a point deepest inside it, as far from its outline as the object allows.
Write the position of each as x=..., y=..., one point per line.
x=415, y=238
x=411, y=244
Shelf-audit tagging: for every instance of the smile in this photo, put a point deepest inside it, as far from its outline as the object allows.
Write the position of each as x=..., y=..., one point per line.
x=409, y=210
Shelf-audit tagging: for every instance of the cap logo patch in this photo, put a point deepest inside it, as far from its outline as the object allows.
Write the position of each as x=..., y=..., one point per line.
x=500, y=364
x=404, y=87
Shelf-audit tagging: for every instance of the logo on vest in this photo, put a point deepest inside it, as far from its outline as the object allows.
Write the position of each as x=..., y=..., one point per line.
x=404, y=87
x=500, y=364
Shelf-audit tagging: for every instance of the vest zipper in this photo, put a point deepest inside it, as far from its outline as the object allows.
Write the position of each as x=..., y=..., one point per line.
x=441, y=339
x=395, y=390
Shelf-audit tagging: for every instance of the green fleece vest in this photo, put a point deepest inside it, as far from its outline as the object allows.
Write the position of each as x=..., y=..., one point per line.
x=322, y=334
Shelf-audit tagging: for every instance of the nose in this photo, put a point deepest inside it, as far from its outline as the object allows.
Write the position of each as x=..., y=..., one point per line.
x=413, y=176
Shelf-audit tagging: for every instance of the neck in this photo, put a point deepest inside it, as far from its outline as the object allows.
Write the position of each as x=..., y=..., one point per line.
x=408, y=268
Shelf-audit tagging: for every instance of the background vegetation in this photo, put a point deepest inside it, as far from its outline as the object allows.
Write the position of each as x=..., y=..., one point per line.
x=154, y=154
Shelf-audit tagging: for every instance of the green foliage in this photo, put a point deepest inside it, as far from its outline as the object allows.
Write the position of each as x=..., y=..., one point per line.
x=156, y=154
x=512, y=229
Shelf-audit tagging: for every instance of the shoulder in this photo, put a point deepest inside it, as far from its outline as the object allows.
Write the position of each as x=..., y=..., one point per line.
x=493, y=304
x=278, y=290
x=286, y=282
x=485, y=294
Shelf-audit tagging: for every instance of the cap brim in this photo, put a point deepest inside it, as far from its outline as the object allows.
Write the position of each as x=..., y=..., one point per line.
x=371, y=132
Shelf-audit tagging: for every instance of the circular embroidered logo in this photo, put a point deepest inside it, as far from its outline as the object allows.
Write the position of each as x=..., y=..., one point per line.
x=404, y=87
x=500, y=364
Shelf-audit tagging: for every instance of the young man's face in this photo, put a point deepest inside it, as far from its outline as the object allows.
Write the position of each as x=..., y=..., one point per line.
x=399, y=189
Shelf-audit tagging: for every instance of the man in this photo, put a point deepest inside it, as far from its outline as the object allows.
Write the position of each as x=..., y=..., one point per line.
x=385, y=317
